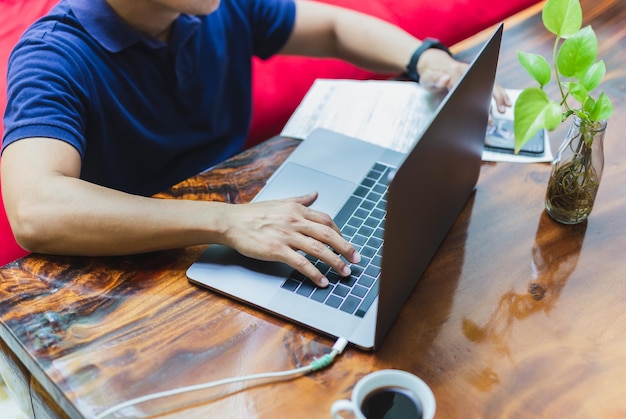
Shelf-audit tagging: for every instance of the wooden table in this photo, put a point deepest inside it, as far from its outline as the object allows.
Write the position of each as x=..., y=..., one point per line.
x=516, y=316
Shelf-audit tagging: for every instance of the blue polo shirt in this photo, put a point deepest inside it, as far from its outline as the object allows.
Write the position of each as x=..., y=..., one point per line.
x=143, y=114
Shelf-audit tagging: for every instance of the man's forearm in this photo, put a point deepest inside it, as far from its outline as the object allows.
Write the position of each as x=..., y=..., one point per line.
x=86, y=219
x=363, y=40
x=374, y=44
x=51, y=210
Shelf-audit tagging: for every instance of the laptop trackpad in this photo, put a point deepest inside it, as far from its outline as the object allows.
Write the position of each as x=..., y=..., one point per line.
x=296, y=180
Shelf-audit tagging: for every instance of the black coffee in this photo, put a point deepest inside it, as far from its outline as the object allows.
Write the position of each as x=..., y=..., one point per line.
x=391, y=403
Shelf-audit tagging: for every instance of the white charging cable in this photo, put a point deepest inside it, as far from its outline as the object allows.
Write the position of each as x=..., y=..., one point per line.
x=315, y=365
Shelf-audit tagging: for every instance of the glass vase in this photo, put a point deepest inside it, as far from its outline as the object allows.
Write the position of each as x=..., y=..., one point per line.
x=576, y=172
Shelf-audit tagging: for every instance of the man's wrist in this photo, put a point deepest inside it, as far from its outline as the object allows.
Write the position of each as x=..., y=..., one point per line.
x=428, y=43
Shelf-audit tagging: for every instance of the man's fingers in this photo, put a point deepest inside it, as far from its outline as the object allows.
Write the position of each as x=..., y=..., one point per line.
x=301, y=228
x=321, y=242
x=324, y=230
x=437, y=81
x=300, y=263
x=502, y=99
x=306, y=200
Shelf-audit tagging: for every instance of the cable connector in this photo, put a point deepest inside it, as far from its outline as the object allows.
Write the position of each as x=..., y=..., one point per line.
x=328, y=359
x=340, y=345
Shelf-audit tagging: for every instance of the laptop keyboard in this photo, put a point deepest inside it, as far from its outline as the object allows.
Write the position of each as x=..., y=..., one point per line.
x=361, y=221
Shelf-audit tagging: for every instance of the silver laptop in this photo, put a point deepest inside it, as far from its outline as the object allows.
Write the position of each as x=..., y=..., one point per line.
x=395, y=208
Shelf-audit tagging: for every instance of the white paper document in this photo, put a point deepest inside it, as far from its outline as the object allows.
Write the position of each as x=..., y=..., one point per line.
x=389, y=113
x=385, y=112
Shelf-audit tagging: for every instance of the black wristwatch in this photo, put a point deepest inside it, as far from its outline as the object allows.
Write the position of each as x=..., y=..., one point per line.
x=428, y=43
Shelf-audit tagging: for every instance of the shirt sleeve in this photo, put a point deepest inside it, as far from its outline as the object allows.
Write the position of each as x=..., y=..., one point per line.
x=273, y=22
x=44, y=98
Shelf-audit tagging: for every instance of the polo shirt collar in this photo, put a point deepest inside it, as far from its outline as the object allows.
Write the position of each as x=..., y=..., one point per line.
x=106, y=27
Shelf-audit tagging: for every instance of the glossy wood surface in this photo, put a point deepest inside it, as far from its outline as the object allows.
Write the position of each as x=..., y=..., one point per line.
x=516, y=316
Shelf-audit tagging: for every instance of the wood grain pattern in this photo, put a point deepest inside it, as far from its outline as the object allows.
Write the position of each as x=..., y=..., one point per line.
x=516, y=316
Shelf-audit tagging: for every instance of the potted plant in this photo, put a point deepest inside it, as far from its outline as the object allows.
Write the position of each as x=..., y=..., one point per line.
x=577, y=166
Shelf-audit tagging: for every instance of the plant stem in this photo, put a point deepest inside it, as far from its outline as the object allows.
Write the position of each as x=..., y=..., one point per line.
x=558, y=78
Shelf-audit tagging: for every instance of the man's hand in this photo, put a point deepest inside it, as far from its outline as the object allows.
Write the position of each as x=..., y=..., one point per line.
x=438, y=70
x=276, y=230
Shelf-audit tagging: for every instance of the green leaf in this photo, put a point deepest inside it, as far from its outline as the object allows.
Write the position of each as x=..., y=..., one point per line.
x=562, y=17
x=578, y=53
x=576, y=72
x=603, y=108
x=588, y=108
x=593, y=76
x=537, y=66
x=533, y=111
x=578, y=91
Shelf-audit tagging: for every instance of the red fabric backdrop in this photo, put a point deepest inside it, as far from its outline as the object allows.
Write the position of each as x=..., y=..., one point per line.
x=280, y=83
x=15, y=16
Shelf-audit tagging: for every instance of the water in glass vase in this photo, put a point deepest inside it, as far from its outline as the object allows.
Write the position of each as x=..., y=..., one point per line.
x=576, y=173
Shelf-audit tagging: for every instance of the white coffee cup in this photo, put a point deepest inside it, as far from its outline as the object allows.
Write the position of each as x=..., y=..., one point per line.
x=390, y=381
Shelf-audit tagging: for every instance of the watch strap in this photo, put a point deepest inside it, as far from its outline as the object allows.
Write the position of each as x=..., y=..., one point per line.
x=428, y=43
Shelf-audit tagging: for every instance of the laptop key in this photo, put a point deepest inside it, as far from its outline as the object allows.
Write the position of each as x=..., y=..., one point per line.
x=361, y=191
x=368, y=205
x=359, y=291
x=371, y=222
x=361, y=213
x=320, y=294
x=377, y=261
x=346, y=211
x=341, y=290
x=297, y=276
x=378, y=214
x=357, y=269
x=368, y=182
x=389, y=174
x=368, y=251
x=349, y=281
x=350, y=304
x=379, y=167
x=365, y=231
x=355, y=222
x=367, y=301
x=333, y=301
x=322, y=267
x=364, y=261
x=372, y=270
x=366, y=281
x=359, y=239
x=290, y=284
x=374, y=242
x=373, y=196
x=306, y=288
x=379, y=189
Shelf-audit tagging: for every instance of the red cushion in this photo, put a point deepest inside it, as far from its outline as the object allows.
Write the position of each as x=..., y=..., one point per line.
x=15, y=16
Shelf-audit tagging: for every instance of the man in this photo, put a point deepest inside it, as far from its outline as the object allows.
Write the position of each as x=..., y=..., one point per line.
x=111, y=101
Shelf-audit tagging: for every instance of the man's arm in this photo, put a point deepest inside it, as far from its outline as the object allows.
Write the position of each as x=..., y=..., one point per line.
x=323, y=30
x=51, y=210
